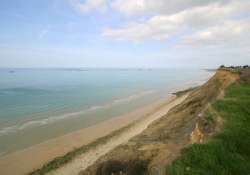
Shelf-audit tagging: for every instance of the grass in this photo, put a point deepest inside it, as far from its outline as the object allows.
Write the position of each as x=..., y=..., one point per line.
x=209, y=118
x=183, y=92
x=228, y=153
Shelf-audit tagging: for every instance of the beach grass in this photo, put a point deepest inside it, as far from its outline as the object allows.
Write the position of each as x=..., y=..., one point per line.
x=62, y=160
x=183, y=92
x=228, y=153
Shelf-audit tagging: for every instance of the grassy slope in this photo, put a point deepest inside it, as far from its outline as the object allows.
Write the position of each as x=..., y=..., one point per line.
x=228, y=153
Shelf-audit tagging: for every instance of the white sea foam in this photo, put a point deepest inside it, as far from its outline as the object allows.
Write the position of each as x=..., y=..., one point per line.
x=53, y=119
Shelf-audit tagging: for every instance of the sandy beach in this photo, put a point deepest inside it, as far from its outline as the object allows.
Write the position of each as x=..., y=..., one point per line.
x=27, y=160
x=85, y=160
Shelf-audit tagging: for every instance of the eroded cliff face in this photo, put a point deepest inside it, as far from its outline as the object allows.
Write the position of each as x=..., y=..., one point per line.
x=161, y=142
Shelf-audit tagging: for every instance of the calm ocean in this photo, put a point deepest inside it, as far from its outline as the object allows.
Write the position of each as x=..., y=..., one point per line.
x=40, y=104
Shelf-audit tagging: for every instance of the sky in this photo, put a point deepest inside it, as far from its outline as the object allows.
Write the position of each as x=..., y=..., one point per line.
x=124, y=33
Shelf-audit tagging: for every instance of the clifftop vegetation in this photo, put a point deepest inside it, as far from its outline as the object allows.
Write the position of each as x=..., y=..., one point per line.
x=228, y=153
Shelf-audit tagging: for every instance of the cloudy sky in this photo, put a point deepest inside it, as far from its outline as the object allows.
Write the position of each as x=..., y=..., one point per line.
x=124, y=33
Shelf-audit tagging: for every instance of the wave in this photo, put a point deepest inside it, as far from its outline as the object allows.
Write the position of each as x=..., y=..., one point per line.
x=53, y=119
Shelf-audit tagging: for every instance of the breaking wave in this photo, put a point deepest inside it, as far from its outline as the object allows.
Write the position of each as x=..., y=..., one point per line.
x=53, y=119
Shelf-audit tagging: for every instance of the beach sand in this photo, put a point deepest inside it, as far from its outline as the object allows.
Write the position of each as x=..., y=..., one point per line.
x=27, y=160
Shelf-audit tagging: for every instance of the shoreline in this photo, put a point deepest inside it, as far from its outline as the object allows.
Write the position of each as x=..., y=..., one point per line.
x=88, y=158
x=13, y=126
x=22, y=161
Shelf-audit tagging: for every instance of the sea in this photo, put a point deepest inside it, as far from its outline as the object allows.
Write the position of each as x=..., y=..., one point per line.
x=40, y=104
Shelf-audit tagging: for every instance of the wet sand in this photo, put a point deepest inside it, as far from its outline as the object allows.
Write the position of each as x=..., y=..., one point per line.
x=27, y=160
x=88, y=158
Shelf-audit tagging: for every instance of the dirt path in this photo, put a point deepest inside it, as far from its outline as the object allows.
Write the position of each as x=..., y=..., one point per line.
x=85, y=160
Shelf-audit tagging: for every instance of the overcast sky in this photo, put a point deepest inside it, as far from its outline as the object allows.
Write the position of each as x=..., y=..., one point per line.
x=124, y=33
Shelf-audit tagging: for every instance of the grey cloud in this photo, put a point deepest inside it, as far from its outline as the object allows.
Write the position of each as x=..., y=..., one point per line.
x=160, y=27
x=142, y=7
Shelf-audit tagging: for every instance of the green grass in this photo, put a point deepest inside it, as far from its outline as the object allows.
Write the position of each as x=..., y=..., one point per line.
x=180, y=93
x=209, y=119
x=228, y=153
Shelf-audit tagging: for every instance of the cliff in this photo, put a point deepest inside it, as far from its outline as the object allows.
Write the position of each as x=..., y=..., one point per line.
x=162, y=142
x=227, y=120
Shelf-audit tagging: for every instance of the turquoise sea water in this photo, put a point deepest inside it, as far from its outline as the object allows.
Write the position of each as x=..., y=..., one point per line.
x=39, y=104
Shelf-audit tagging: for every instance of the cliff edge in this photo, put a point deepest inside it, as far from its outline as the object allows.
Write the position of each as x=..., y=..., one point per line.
x=162, y=141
